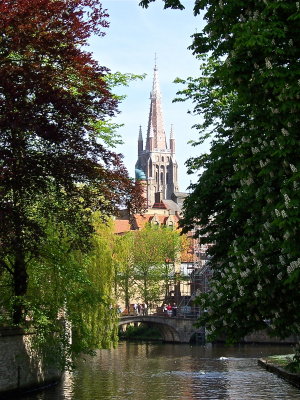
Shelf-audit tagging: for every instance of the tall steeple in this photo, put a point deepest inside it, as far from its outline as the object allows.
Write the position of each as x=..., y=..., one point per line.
x=155, y=122
x=157, y=161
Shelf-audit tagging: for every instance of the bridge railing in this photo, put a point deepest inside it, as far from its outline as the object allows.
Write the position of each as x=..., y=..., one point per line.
x=189, y=312
x=180, y=312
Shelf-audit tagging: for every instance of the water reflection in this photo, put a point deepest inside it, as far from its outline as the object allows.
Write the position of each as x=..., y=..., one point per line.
x=171, y=371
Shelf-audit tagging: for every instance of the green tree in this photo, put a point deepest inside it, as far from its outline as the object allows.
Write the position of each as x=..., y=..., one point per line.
x=124, y=267
x=97, y=322
x=52, y=96
x=246, y=201
x=156, y=249
x=171, y=245
x=72, y=289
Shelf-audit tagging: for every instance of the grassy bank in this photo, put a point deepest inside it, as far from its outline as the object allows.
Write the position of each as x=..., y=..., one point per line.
x=285, y=361
x=283, y=366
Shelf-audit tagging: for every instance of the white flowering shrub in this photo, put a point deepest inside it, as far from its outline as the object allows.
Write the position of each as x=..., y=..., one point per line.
x=247, y=198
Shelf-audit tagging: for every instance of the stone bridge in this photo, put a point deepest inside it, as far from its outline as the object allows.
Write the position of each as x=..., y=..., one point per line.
x=173, y=329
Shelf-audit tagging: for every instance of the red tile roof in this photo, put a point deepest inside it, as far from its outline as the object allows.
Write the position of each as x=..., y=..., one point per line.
x=122, y=226
x=122, y=223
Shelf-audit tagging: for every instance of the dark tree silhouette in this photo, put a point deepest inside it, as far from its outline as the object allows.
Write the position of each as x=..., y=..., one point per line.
x=246, y=201
x=53, y=158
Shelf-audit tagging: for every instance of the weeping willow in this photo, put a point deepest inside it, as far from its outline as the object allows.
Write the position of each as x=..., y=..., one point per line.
x=99, y=314
x=70, y=302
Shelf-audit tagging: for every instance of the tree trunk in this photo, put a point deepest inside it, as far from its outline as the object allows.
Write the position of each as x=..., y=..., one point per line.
x=127, y=298
x=20, y=278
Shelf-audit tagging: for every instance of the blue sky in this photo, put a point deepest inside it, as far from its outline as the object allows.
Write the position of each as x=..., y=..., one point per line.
x=134, y=36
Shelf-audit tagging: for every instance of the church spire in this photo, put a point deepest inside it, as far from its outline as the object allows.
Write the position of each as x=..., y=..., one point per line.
x=157, y=162
x=155, y=123
x=140, y=141
x=140, y=134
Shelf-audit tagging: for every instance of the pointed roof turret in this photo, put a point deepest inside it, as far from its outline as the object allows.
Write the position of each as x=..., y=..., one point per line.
x=155, y=123
x=172, y=140
x=140, y=134
x=140, y=141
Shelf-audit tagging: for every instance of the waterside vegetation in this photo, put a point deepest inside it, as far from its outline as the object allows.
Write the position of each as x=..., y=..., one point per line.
x=60, y=180
x=246, y=200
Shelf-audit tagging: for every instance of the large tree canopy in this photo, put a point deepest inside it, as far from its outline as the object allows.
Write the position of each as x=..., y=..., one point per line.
x=70, y=289
x=246, y=201
x=53, y=97
x=156, y=250
x=145, y=263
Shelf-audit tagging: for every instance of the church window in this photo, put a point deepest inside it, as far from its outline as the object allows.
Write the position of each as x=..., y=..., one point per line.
x=162, y=177
x=162, y=159
x=150, y=169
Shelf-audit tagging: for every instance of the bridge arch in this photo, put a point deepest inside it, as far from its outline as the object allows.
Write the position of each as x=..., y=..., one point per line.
x=168, y=332
x=177, y=330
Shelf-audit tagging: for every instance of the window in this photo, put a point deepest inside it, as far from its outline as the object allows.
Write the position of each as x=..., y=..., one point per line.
x=150, y=169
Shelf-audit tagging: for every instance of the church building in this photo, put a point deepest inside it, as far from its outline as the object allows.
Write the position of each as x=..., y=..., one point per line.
x=156, y=168
x=156, y=164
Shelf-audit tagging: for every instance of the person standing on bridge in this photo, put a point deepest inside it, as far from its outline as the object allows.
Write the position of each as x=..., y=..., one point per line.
x=145, y=309
x=165, y=309
x=169, y=310
x=174, y=310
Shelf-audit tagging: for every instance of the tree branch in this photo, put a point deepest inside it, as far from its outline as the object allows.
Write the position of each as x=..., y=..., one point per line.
x=3, y=265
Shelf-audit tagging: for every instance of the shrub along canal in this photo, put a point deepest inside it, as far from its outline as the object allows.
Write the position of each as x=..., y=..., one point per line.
x=157, y=371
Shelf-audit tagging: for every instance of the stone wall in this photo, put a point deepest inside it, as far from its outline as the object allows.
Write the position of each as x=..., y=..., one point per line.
x=290, y=377
x=263, y=337
x=21, y=368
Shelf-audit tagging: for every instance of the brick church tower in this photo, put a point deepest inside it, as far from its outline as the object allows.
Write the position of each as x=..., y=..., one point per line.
x=156, y=160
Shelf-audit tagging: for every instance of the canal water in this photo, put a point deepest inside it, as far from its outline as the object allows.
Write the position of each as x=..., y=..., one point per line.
x=157, y=371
